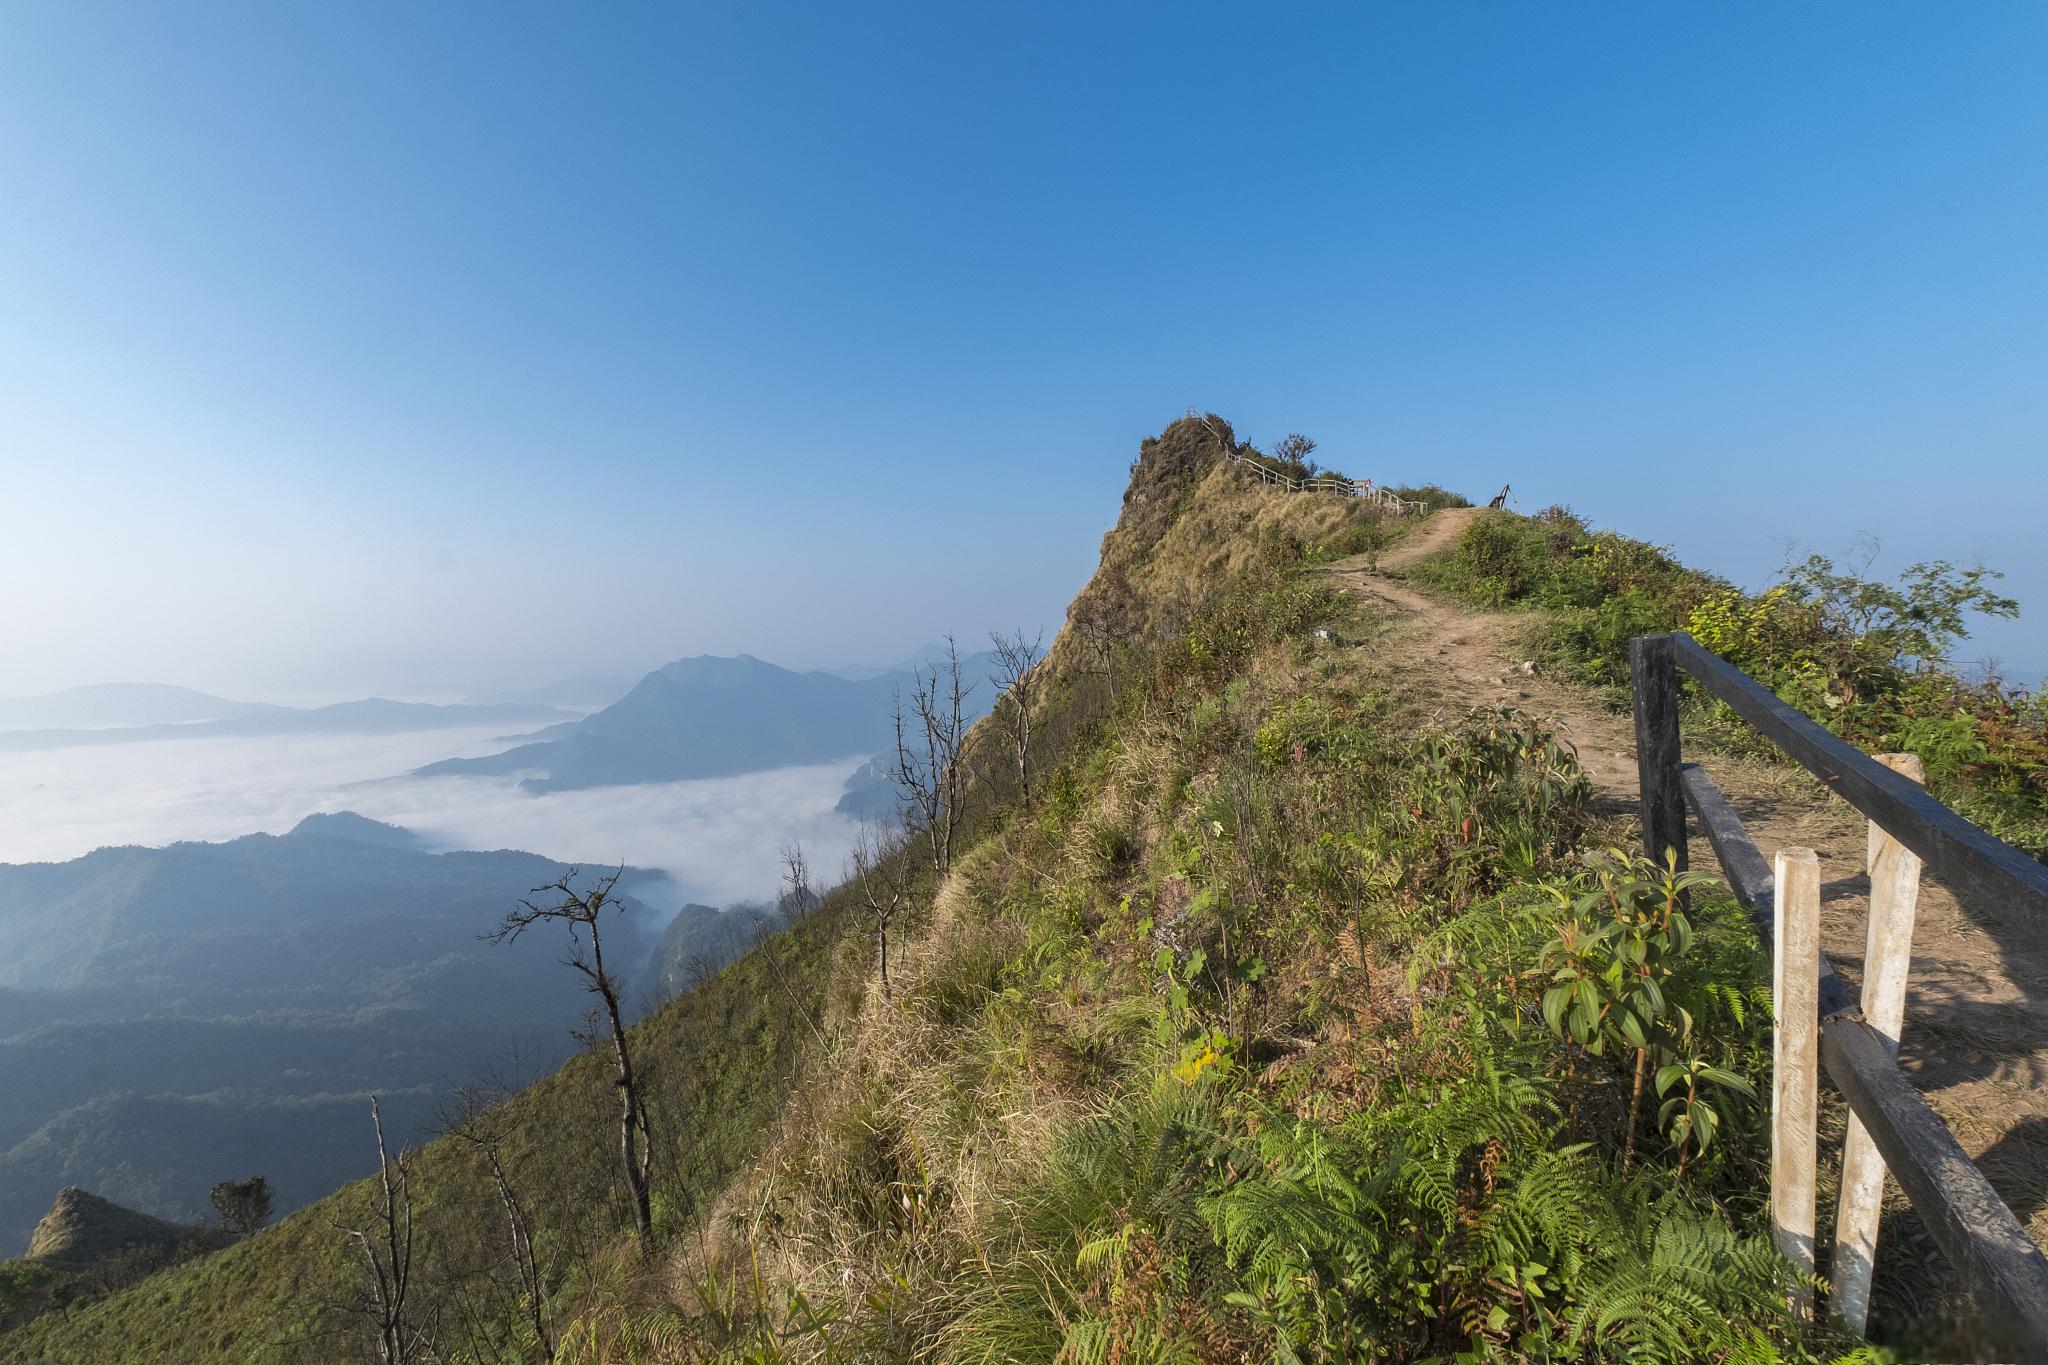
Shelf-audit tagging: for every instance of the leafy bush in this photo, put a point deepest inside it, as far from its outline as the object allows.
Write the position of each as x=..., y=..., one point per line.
x=1868, y=658
x=1429, y=495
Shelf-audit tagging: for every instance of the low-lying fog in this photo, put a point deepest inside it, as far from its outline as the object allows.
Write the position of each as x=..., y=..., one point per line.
x=718, y=838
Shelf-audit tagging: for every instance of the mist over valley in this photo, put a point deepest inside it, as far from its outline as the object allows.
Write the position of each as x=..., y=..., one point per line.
x=223, y=924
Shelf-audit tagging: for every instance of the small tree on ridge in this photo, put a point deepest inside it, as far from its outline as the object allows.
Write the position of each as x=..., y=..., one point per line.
x=243, y=1205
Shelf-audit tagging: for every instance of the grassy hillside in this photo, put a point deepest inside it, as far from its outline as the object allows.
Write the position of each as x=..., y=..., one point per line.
x=1289, y=1017
x=720, y=1062
x=81, y=1228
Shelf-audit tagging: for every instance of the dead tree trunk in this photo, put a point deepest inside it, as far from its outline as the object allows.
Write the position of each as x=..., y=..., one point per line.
x=1016, y=678
x=929, y=770
x=385, y=1248
x=880, y=868
x=472, y=1119
x=580, y=911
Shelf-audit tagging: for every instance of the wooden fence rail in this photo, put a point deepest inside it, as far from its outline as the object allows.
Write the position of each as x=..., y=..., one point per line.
x=1326, y=483
x=1858, y=1041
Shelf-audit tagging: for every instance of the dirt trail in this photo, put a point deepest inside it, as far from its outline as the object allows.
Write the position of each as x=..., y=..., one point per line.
x=1976, y=1033
x=1470, y=657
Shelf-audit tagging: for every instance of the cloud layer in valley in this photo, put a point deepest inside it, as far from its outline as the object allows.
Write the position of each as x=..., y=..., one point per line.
x=717, y=838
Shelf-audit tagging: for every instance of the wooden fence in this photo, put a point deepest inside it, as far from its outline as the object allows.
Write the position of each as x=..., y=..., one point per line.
x=1325, y=483
x=1855, y=1038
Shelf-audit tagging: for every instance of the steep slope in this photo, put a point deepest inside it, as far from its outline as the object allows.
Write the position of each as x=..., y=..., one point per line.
x=701, y=940
x=86, y=1245
x=719, y=1060
x=1238, y=1037
x=722, y=1057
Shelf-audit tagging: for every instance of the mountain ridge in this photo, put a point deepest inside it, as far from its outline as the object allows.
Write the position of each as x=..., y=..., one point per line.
x=82, y=1228
x=1218, y=1042
x=713, y=716
x=369, y=715
x=97, y=705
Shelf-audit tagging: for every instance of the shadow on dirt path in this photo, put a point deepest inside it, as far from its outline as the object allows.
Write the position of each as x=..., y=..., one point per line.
x=1976, y=1034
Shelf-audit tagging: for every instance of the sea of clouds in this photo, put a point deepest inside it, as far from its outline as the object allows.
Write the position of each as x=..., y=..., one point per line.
x=718, y=839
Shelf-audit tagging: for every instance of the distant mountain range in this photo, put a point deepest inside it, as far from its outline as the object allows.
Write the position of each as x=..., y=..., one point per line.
x=177, y=1016
x=588, y=693
x=371, y=716
x=105, y=704
x=713, y=717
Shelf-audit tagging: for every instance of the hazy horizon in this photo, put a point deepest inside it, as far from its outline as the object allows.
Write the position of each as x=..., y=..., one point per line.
x=310, y=698
x=717, y=839
x=811, y=337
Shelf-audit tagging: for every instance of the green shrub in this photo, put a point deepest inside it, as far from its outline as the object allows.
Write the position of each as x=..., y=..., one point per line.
x=1429, y=495
x=1866, y=657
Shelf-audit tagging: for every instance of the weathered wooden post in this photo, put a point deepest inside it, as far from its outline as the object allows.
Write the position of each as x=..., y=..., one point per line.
x=1795, y=1062
x=1654, y=680
x=1887, y=959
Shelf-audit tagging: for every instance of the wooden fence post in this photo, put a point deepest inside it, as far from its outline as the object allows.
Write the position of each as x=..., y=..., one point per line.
x=1887, y=959
x=1654, y=680
x=1795, y=1062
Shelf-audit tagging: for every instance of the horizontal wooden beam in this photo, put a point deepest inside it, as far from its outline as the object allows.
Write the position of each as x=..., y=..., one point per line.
x=1992, y=1253
x=2006, y=1273
x=1954, y=850
x=1748, y=875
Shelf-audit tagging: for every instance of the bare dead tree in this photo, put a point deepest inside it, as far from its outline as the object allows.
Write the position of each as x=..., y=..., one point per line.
x=1097, y=634
x=798, y=895
x=385, y=1249
x=1016, y=678
x=881, y=868
x=474, y=1120
x=1101, y=616
x=580, y=911
x=698, y=972
x=929, y=770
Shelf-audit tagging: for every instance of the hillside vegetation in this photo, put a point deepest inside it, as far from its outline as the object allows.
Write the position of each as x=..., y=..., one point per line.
x=1867, y=657
x=1285, y=1017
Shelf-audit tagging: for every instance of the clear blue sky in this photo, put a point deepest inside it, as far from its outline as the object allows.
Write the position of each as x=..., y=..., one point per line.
x=413, y=347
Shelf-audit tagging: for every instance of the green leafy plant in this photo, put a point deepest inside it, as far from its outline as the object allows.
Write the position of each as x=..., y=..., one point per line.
x=1611, y=962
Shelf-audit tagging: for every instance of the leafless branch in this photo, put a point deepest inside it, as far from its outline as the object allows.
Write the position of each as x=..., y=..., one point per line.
x=1016, y=679
x=929, y=742
x=384, y=1248
x=561, y=902
x=881, y=869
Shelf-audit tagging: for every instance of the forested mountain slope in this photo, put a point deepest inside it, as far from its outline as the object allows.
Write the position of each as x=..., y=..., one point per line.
x=208, y=1011
x=1273, y=1021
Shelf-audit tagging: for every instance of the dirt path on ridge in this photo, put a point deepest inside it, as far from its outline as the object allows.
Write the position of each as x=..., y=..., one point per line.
x=1976, y=1034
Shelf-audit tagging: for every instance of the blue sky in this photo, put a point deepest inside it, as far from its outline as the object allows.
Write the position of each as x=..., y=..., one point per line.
x=416, y=348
